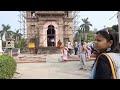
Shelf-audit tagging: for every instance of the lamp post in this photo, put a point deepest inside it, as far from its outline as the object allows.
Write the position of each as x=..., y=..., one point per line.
x=119, y=24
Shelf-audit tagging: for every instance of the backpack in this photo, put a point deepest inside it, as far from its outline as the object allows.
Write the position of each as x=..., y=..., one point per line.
x=114, y=60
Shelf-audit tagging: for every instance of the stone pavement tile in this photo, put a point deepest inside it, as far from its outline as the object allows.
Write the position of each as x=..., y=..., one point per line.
x=69, y=70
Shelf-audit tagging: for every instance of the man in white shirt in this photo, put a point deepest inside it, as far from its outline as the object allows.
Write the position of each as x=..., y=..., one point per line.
x=81, y=54
x=69, y=47
x=52, y=41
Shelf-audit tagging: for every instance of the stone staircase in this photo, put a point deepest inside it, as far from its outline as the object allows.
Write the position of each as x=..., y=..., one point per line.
x=48, y=50
x=30, y=58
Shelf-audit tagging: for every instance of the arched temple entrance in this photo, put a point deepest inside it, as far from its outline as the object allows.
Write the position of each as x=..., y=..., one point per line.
x=50, y=30
x=51, y=36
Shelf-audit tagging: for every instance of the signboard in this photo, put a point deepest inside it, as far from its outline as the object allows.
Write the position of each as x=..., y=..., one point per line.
x=31, y=45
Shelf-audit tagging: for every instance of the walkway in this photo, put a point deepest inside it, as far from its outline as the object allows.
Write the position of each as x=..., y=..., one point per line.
x=52, y=70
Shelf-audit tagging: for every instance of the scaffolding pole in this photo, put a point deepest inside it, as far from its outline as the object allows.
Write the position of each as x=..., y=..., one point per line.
x=76, y=21
x=22, y=21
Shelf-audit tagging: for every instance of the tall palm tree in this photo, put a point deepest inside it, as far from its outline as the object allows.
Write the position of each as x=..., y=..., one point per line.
x=17, y=36
x=85, y=27
x=78, y=35
x=6, y=31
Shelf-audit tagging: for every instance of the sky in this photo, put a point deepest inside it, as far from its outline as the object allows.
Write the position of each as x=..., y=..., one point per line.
x=98, y=19
x=11, y=18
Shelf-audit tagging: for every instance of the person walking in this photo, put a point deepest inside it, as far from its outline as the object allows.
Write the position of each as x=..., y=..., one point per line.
x=69, y=46
x=76, y=47
x=64, y=53
x=81, y=55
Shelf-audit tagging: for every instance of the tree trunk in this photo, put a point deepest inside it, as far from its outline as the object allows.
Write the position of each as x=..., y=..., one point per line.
x=16, y=39
x=79, y=39
x=85, y=36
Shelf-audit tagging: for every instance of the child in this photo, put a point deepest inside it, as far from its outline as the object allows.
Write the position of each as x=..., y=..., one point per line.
x=106, y=44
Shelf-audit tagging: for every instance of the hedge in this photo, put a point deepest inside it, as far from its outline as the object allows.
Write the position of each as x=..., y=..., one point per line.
x=7, y=67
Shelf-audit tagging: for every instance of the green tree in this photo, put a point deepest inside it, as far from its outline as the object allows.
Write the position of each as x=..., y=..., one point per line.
x=78, y=35
x=21, y=44
x=85, y=27
x=6, y=31
x=115, y=28
x=91, y=36
x=17, y=36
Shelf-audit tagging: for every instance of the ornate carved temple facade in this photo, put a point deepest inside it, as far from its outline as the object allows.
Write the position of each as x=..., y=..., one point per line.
x=45, y=25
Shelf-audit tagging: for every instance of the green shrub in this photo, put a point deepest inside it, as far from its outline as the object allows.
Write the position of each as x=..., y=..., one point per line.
x=7, y=67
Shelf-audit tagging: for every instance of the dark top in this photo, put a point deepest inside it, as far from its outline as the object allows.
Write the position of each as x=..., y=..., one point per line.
x=103, y=69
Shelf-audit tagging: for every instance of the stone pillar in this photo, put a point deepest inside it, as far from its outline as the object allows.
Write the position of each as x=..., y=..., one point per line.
x=57, y=37
x=71, y=32
x=41, y=35
x=60, y=30
x=44, y=41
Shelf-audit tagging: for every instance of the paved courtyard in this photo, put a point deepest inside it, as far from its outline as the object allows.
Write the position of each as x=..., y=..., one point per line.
x=52, y=70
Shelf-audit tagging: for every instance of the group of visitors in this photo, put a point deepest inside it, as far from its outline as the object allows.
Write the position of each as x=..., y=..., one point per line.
x=105, y=51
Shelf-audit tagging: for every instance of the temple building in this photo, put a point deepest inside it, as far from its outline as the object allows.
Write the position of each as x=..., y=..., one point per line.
x=45, y=27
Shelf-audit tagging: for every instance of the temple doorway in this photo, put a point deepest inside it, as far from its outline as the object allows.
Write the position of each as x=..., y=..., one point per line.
x=51, y=36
